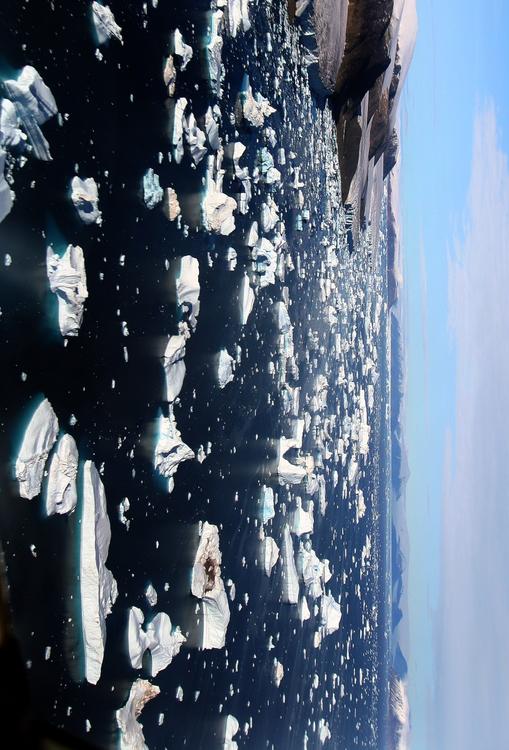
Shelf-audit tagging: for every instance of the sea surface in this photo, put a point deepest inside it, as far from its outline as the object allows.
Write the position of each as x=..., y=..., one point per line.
x=114, y=124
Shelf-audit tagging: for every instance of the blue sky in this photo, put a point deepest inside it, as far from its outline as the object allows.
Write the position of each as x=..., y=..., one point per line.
x=459, y=80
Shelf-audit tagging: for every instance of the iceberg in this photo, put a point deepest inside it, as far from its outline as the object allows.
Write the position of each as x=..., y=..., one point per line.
x=252, y=108
x=34, y=104
x=68, y=280
x=85, y=197
x=288, y=473
x=170, y=449
x=330, y=614
x=278, y=672
x=269, y=554
x=97, y=586
x=38, y=440
x=174, y=366
x=6, y=194
x=188, y=289
x=137, y=639
x=214, y=50
x=212, y=115
x=170, y=75
x=303, y=612
x=265, y=257
x=290, y=579
x=151, y=595
x=195, y=139
x=246, y=299
x=181, y=49
x=61, y=494
x=238, y=16
x=11, y=135
x=171, y=205
x=164, y=642
x=104, y=23
x=131, y=731
x=217, y=207
x=301, y=521
x=266, y=504
x=207, y=585
x=177, y=136
x=152, y=190
x=230, y=730
x=225, y=367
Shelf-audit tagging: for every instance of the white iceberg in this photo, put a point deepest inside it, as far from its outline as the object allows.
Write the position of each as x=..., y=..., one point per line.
x=246, y=299
x=171, y=205
x=170, y=449
x=131, y=731
x=34, y=104
x=207, y=585
x=152, y=190
x=214, y=50
x=174, y=366
x=177, y=136
x=269, y=554
x=252, y=108
x=68, y=280
x=170, y=75
x=266, y=504
x=217, y=207
x=301, y=521
x=104, y=23
x=288, y=472
x=38, y=440
x=212, y=116
x=225, y=368
x=188, y=289
x=85, y=197
x=230, y=730
x=181, y=49
x=238, y=16
x=137, y=639
x=290, y=578
x=164, y=642
x=195, y=139
x=61, y=494
x=6, y=194
x=97, y=586
x=278, y=672
x=330, y=614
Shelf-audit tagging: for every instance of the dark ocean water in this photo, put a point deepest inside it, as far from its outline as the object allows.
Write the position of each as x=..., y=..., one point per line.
x=117, y=125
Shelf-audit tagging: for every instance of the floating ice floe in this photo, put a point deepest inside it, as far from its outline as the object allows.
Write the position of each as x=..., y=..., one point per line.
x=266, y=504
x=246, y=299
x=330, y=614
x=225, y=368
x=234, y=151
x=195, y=139
x=131, y=731
x=104, y=23
x=38, y=440
x=278, y=672
x=269, y=215
x=85, y=197
x=61, y=494
x=171, y=205
x=264, y=167
x=181, y=49
x=303, y=612
x=68, y=280
x=301, y=521
x=212, y=118
x=214, y=50
x=152, y=190
x=289, y=473
x=311, y=570
x=238, y=16
x=230, y=730
x=269, y=554
x=290, y=578
x=98, y=588
x=170, y=449
x=161, y=639
x=188, y=289
x=177, y=136
x=217, y=207
x=265, y=258
x=174, y=366
x=34, y=104
x=207, y=585
x=151, y=595
x=252, y=108
x=170, y=75
x=6, y=194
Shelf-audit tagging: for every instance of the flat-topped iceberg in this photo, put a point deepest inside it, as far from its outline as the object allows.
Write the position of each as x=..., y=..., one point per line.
x=246, y=299
x=68, y=280
x=104, y=23
x=131, y=731
x=34, y=104
x=170, y=449
x=174, y=366
x=85, y=197
x=171, y=205
x=161, y=639
x=38, y=440
x=61, y=494
x=290, y=578
x=238, y=16
x=98, y=588
x=188, y=289
x=301, y=521
x=137, y=639
x=225, y=368
x=207, y=585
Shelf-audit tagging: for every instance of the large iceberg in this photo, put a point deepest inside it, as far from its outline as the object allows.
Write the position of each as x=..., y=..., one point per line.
x=174, y=366
x=207, y=585
x=85, y=197
x=170, y=449
x=97, y=585
x=38, y=440
x=131, y=731
x=68, y=280
x=34, y=104
x=61, y=494
x=161, y=639
x=290, y=578
x=238, y=16
x=214, y=50
x=188, y=289
x=104, y=23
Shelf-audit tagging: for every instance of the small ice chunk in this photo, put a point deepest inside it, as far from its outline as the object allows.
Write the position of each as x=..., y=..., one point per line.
x=98, y=587
x=68, y=280
x=61, y=494
x=104, y=23
x=225, y=368
x=188, y=289
x=278, y=672
x=303, y=612
x=38, y=440
x=151, y=595
x=207, y=585
x=137, y=640
x=131, y=731
x=174, y=366
x=152, y=190
x=85, y=197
